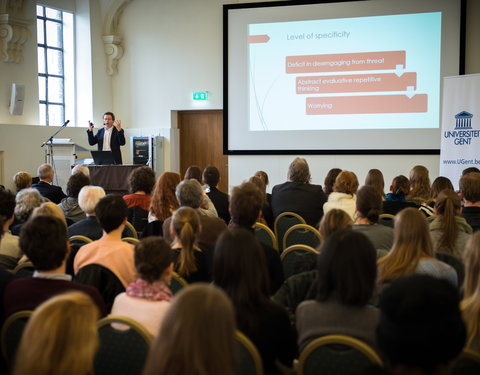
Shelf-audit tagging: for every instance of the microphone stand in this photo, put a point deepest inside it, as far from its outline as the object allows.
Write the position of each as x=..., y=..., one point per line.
x=49, y=149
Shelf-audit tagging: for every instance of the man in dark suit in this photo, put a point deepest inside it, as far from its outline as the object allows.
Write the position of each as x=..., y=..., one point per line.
x=109, y=138
x=45, y=186
x=298, y=195
x=211, y=177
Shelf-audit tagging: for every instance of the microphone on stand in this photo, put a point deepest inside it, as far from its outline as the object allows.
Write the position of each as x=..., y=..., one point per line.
x=66, y=123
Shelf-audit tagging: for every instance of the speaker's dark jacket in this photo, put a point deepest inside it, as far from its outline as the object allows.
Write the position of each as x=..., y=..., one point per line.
x=117, y=140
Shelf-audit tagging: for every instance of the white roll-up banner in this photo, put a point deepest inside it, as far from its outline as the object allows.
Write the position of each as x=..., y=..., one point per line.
x=460, y=145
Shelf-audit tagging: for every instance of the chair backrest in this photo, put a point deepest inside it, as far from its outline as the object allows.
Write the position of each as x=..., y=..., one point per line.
x=297, y=259
x=454, y=262
x=283, y=222
x=302, y=234
x=154, y=228
x=121, y=351
x=177, y=283
x=100, y=277
x=386, y=219
x=25, y=269
x=336, y=355
x=76, y=242
x=468, y=363
x=138, y=217
x=265, y=235
x=131, y=240
x=132, y=229
x=248, y=360
x=12, y=331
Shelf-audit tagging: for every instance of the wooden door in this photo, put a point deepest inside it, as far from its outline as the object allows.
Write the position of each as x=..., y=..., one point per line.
x=201, y=142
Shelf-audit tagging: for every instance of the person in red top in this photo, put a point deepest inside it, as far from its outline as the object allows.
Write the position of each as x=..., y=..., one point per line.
x=44, y=240
x=140, y=182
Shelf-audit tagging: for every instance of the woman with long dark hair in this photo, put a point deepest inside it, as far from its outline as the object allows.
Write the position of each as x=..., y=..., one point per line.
x=346, y=279
x=240, y=270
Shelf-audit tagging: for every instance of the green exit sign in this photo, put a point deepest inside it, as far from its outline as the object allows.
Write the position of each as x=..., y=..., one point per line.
x=200, y=95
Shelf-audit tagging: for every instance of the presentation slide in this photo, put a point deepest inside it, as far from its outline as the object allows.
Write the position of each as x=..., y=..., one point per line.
x=338, y=77
x=353, y=73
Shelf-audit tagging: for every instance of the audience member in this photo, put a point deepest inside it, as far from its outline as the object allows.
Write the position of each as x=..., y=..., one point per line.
x=303, y=286
x=412, y=251
x=140, y=184
x=45, y=185
x=298, y=194
x=240, y=270
x=421, y=329
x=190, y=261
x=369, y=207
x=439, y=184
x=196, y=336
x=267, y=213
x=81, y=169
x=346, y=279
x=206, y=207
x=110, y=251
x=60, y=337
x=330, y=180
x=419, y=185
x=396, y=200
x=88, y=197
x=194, y=172
x=189, y=193
x=344, y=194
x=211, y=178
x=334, y=220
x=449, y=230
x=148, y=298
x=26, y=201
x=69, y=205
x=374, y=178
x=22, y=180
x=9, y=248
x=49, y=209
x=470, y=193
x=245, y=207
x=471, y=290
x=164, y=201
x=470, y=170
x=43, y=239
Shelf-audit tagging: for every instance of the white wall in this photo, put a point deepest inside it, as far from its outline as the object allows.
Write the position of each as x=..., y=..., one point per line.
x=174, y=47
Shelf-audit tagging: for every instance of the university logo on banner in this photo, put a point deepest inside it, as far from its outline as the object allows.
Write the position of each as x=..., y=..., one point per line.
x=460, y=144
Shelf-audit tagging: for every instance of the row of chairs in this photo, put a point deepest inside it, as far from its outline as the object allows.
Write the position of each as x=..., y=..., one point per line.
x=124, y=349
x=290, y=229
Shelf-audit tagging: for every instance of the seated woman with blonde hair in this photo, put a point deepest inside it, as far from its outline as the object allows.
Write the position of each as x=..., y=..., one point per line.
x=450, y=231
x=344, y=194
x=470, y=304
x=412, y=251
x=190, y=260
x=60, y=337
x=148, y=298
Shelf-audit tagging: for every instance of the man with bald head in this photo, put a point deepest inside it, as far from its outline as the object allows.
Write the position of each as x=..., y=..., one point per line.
x=298, y=194
x=45, y=185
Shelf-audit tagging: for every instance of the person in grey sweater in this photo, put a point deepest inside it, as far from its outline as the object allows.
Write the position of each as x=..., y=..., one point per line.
x=346, y=278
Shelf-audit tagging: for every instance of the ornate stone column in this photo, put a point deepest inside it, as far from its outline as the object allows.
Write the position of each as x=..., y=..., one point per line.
x=114, y=50
x=13, y=32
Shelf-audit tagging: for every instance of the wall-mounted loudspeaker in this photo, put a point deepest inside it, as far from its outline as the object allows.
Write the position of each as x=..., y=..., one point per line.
x=17, y=99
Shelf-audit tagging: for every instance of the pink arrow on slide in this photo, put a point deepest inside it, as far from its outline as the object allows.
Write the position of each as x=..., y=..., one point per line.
x=258, y=38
